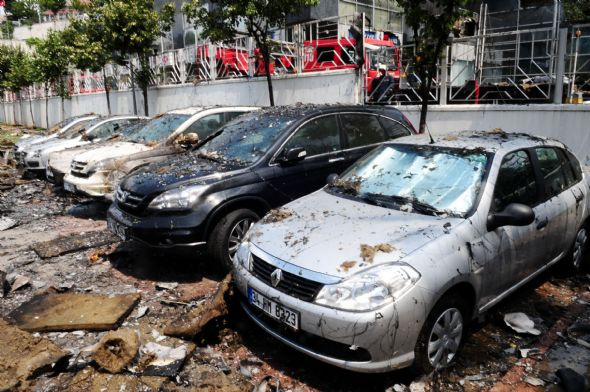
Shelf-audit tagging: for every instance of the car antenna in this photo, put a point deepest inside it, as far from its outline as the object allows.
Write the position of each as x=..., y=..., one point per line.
x=429, y=134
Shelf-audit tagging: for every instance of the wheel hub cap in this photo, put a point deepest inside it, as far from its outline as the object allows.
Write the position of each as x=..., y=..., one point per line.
x=445, y=338
x=237, y=234
x=581, y=239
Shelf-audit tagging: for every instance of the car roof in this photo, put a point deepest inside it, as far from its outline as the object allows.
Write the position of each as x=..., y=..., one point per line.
x=303, y=110
x=494, y=140
x=191, y=111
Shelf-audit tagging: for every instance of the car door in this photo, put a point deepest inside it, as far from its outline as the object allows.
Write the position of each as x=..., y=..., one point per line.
x=560, y=204
x=322, y=141
x=512, y=252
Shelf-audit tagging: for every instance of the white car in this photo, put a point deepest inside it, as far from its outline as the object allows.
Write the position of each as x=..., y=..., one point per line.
x=96, y=172
x=95, y=131
x=58, y=129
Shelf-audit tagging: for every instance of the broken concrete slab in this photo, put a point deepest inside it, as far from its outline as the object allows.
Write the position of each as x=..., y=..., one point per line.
x=163, y=360
x=6, y=223
x=72, y=311
x=25, y=356
x=19, y=282
x=71, y=243
x=191, y=323
x=91, y=380
x=116, y=350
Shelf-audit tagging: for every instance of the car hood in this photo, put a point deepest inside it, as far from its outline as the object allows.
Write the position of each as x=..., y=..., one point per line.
x=326, y=234
x=181, y=169
x=111, y=150
x=32, y=139
x=61, y=160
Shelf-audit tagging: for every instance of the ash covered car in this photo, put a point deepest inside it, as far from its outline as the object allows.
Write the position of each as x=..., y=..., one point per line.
x=385, y=266
x=96, y=172
x=91, y=132
x=59, y=162
x=211, y=196
x=58, y=129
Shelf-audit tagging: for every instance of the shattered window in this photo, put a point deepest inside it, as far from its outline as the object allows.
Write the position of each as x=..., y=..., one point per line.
x=362, y=130
x=110, y=128
x=516, y=182
x=80, y=127
x=394, y=129
x=419, y=178
x=160, y=128
x=319, y=136
x=247, y=138
x=206, y=125
x=552, y=168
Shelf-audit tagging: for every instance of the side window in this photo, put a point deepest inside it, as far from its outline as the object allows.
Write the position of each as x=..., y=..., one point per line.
x=362, y=129
x=206, y=125
x=394, y=129
x=516, y=181
x=318, y=136
x=108, y=129
x=576, y=167
x=552, y=167
x=231, y=115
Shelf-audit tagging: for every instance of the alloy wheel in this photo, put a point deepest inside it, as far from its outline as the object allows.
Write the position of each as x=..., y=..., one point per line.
x=236, y=235
x=579, y=245
x=445, y=338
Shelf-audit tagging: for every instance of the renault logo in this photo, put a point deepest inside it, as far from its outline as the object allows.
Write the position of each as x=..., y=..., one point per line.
x=275, y=277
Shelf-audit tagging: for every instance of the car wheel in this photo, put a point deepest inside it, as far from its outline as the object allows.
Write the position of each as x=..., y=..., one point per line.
x=441, y=336
x=578, y=254
x=227, y=235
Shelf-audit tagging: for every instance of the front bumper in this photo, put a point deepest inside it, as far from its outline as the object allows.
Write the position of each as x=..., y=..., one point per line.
x=96, y=185
x=159, y=230
x=388, y=335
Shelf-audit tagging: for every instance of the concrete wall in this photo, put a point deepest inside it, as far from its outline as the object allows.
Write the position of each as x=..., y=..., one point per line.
x=340, y=87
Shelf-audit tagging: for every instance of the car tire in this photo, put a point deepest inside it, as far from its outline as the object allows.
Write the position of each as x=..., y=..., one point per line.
x=578, y=256
x=226, y=234
x=442, y=335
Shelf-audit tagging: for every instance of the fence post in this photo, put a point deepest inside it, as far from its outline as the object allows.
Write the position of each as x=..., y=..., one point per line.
x=560, y=69
x=444, y=74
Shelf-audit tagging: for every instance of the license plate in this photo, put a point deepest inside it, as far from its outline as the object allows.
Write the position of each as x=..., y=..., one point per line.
x=273, y=309
x=118, y=229
x=70, y=187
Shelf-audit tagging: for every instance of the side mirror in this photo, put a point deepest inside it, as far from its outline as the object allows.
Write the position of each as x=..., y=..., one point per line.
x=514, y=214
x=332, y=178
x=293, y=155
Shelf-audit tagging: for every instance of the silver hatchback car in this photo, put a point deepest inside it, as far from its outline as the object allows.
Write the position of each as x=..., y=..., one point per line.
x=385, y=266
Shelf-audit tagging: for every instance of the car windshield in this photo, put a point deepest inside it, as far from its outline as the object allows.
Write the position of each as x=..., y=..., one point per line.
x=61, y=124
x=78, y=128
x=130, y=130
x=159, y=128
x=424, y=179
x=246, y=139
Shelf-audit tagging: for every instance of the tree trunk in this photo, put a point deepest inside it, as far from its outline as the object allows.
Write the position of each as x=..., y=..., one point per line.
x=31, y=109
x=106, y=90
x=14, y=113
x=428, y=84
x=144, y=91
x=266, y=58
x=46, y=105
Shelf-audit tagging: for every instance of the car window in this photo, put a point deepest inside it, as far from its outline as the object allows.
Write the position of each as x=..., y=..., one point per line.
x=576, y=167
x=160, y=128
x=552, y=167
x=318, y=136
x=107, y=129
x=206, y=126
x=570, y=176
x=516, y=181
x=362, y=129
x=394, y=129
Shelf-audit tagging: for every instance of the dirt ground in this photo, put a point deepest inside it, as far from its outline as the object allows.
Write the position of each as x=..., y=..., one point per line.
x=232, y=353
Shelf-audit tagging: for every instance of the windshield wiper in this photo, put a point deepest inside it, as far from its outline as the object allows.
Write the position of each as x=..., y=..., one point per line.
x=416, y=204
x=212, y=136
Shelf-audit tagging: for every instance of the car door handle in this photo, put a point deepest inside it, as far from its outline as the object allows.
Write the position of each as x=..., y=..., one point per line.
x=335, y=160
x=541, y=225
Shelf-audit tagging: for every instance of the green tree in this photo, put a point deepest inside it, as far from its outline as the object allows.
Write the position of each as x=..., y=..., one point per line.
x=221, y=22
x=577, y=11
x=52, y=5
x=23, y=10
x=6, y=29
x=52, y=59
x=131, y=28
x=6, y=54
x=22, y=73
x=431, y=22
x=90, y=47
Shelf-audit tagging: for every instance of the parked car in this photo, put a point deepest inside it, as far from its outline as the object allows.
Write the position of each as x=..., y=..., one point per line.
x=210, y=197
x=59, y=162
x=98, y=171
x=385, y=266
x=53, y=132
x=93, y=132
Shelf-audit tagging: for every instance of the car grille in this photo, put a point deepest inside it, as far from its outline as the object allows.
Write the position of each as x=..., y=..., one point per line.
x=77, y=169
x=291, y=284
x=32, y=164
x=128, y=200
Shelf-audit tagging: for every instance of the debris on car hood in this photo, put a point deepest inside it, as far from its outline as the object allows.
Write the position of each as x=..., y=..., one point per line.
x=72, y=311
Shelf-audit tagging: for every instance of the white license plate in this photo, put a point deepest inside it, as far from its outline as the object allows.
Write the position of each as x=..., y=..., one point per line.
x=69, y=187
x=273, y=309
x=118, y=229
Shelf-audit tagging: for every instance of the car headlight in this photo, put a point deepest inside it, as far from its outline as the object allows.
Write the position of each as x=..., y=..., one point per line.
x=178, y=199
x=244, y=256
x=36, y=154
x=371, y=289
x=102, y=166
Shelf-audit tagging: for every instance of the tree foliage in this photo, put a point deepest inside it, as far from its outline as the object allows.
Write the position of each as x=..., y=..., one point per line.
x=221, y=22
x=577, y=11
x=23, y=10
x=6, y=55
x=52, y=5
x=431, y=23
x=22, y=72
